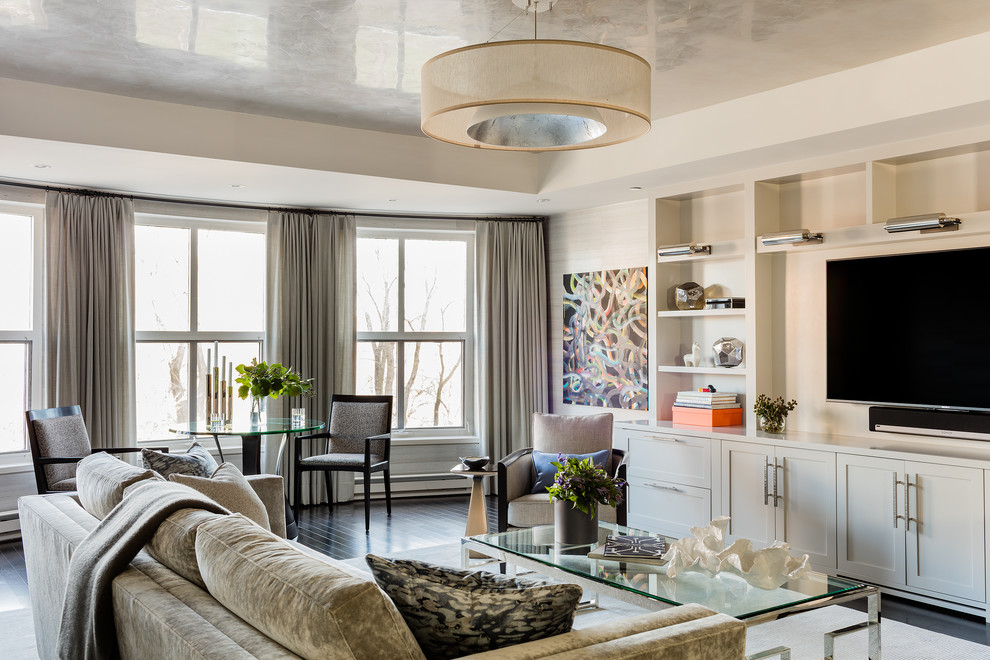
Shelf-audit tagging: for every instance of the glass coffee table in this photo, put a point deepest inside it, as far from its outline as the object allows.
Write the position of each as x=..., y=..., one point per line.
x=647, y=585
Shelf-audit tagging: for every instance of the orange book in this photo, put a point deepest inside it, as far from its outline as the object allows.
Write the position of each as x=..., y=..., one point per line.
x=707, y=417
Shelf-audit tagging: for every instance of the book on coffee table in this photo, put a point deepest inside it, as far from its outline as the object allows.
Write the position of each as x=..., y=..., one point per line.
x=645, y=549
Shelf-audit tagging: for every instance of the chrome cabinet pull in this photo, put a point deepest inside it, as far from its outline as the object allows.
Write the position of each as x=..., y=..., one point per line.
x=766, y=485
x=776, y=497
x=665, y=438
x=907, y=501
x=662, y=487
x=896, y=482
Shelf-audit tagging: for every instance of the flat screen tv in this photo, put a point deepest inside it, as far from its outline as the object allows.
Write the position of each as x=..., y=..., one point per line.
x=910, y=330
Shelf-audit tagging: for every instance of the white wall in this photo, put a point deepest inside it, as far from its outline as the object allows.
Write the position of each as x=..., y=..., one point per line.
x=602, y=238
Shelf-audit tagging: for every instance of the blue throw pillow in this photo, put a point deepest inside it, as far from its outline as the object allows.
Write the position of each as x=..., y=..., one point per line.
x=546, y=472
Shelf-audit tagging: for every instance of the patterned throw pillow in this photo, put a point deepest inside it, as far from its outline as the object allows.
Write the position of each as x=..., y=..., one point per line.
x=455, y=612
x=196, y=461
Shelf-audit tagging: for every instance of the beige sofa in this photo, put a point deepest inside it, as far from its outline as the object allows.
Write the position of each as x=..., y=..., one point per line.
x=162, y=615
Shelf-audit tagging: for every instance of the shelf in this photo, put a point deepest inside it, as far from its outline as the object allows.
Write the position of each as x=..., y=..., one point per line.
x=714, y=371
x=683, y=313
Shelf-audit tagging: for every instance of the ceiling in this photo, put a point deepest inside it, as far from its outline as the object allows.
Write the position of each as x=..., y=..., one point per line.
x=356, y=63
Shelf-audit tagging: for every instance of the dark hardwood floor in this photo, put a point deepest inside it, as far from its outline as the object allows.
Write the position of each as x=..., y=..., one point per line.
x=426, y=521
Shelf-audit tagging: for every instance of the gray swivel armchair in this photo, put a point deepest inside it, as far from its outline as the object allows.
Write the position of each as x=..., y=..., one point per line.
x=518, y=506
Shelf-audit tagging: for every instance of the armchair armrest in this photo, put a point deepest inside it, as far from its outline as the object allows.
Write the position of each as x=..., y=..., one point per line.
x=268, y=487
x=310, y=436
x=515, y=478
x=619, y=461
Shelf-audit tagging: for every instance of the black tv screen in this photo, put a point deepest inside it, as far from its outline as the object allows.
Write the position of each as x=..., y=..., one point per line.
x=910, y=329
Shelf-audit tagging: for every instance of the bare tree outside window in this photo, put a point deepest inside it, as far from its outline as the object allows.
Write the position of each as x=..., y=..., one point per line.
x=429, y=295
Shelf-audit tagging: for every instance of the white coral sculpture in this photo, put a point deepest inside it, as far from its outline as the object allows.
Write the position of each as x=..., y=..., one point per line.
x=705, y=551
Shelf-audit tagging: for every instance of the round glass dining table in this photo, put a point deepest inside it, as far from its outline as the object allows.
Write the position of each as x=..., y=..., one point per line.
x=250, y=435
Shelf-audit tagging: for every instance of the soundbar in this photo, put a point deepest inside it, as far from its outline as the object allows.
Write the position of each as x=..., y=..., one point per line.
x=963, y=424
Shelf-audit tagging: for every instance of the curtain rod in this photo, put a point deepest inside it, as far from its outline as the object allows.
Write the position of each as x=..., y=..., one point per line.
x=263, y=207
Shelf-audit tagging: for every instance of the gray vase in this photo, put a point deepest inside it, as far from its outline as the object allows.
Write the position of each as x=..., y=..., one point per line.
x=572, y=526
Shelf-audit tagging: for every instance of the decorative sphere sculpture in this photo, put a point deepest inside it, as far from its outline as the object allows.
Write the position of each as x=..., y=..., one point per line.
x=689, y=295
x=728, y=352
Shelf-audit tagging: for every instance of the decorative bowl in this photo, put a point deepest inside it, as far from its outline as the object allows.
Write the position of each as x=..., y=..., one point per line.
x=474, y=462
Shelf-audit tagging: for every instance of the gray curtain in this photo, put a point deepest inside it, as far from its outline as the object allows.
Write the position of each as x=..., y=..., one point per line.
x=312, y=295
x=512, y=345
x=89, y=263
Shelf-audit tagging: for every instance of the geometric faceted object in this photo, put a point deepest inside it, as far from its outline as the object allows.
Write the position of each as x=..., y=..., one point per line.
x=728, y=352
x=689, y=295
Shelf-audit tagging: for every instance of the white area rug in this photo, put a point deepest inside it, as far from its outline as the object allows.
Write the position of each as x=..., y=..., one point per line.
x=803, y=633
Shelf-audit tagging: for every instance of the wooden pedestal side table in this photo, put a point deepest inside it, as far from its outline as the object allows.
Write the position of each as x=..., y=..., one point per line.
x=477, y=522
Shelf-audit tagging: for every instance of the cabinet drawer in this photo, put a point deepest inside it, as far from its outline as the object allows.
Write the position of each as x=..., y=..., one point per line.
x=666, y=508
x=677, y=459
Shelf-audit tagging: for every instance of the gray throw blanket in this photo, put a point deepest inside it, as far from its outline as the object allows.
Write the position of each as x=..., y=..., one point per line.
x=87, y=630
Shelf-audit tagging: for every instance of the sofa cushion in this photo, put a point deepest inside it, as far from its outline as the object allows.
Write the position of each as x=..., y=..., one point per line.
x=228, y=488
x=196, y=461
x=174, y=544
x=311, y=607
x=456, y=612
x=101, y=480
x=546, y=471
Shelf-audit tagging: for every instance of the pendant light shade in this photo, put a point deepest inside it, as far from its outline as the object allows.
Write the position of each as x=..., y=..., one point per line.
x=536, y=95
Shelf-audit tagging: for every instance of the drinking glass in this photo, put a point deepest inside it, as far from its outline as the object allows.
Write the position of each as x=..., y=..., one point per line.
x=298, y=416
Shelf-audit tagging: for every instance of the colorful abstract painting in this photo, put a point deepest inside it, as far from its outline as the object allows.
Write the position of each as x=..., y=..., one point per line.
x=605, y=331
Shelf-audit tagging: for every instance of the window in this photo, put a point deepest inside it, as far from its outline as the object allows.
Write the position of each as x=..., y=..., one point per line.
x=415, y=325
x=197, y=282
x=20, y=321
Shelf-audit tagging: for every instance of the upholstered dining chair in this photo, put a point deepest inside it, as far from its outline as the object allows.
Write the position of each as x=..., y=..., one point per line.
x=358, y=438
x=59, y=440
x=520, y=503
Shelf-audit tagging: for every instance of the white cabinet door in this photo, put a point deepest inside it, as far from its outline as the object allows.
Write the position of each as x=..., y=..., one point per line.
x=667, y=508
x=746, y=477
x=805, y=508
x=870, y=535
x=945, y=536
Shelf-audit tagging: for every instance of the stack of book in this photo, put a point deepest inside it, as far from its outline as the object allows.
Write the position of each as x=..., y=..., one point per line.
x=707, y=409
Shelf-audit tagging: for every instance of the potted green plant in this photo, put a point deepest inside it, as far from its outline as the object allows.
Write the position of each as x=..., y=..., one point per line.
x=260, y=379
x=577, y=490
x=772, y=412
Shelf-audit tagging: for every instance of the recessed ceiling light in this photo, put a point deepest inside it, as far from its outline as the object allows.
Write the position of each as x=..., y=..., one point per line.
x=42, y=166
x=237, y=185
x=635, y=187
x=542, y=199
x=393, y=200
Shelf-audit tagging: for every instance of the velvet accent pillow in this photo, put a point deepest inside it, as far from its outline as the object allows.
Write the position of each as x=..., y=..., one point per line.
x=196, y=461
x=453, y=612
x=101, y=480
x=308, y=605
x=228, y=488
x=546, y=472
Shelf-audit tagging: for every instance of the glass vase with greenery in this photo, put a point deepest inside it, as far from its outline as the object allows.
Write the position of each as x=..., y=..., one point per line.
x=772, y=412
x=585, y=485
x=260, y=379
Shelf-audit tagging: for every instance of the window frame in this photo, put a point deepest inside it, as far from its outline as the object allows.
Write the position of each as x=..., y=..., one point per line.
x=420, y=230
x=195, y=337
x=34, y=337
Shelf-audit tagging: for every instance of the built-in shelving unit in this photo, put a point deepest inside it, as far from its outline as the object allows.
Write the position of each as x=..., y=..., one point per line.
x=782, y=324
